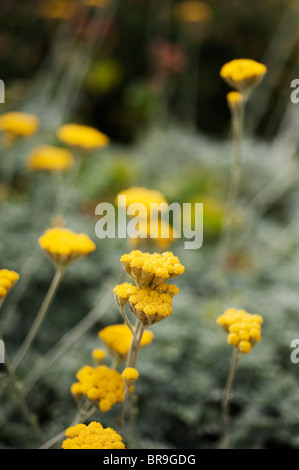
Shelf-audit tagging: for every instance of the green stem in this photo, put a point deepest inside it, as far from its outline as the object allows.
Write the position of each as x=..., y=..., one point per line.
x=227, y=398
x=39, y=318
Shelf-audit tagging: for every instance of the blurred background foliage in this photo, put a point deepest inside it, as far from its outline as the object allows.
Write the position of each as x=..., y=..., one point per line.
x=140, y=72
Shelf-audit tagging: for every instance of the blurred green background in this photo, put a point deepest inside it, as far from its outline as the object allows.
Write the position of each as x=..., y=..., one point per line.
x=141, y=73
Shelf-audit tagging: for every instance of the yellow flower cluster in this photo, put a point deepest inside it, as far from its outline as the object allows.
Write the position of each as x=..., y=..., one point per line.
x=243, y=74
x=244, y=329
x=151, y=270
x=100, y=384
x=64, y=246
x=19, y=124
x=150, y=306
x=7, y=280
x=50, y=158
x=92, y=436
x=118, y=338
x=84, y=137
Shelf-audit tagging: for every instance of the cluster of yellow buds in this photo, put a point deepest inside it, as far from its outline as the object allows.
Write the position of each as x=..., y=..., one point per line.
x=99, y=384
x=64, y=246
x=92, y=436
x=151, y=298
x=244, y=329
x=7, y=281
x=117, y=338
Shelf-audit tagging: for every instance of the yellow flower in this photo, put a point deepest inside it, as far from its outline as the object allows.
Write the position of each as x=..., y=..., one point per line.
x=151, y=269
x=150, y=306
x=7, y=281
x=192, y=11
x=50, y=158
x=130, y=375
x=98, y=355
x=118, y=338
x=243, y=74
x=19, y=124
x=234, y=99
x=160, y=233
x=56, y=9
x=243, y=328
x=92, y=436
x=84, y=137
x=145, y=196
x=64, y=246
x=100, y=384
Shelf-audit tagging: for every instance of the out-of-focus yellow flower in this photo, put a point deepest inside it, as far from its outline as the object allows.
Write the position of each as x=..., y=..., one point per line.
x=50, y=158
x=7, y=281
x=19, y=124
x=64, y=246
x=56, y=9
x=193, y=11
x=84, y=137
x=92, y=436
x=243, y=74
x=234, y=99
x=151, y=270
x=145, y=196
x=97, y=3
x=159, y=232
x=118, y=338
x=104, y=75
x=100, y=384
x=244, y=329
x=98, y=355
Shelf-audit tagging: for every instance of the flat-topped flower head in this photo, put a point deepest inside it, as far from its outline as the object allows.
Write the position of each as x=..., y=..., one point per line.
x=150, y=306
x=117, y=338
x=243, y=74
x=8, y=279
x=151, y=270
x=243, y=328
x=64, y=246
x=92, y=436
x=50, y=158
x=101, y=385
x=81, y=136
x=19, y=124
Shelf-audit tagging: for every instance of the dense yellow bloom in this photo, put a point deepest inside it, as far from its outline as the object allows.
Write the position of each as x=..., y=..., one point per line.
x=151, y=269
x=192, y=11
x=64, y=246
x=243, y=74
x=50, y=158
x=150, y=306
x=118, y=338
x=92, y=436
x=130, y=373
x=244, y=329
x=19, y=124
x=7, y=281
x=145, y=196
x=100, y=384
x=84, y=137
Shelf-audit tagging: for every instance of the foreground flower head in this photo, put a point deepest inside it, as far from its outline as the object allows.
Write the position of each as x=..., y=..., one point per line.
x=243, y=74
x=19, y=124
x=92, y=436
x=7, y=281
x=244, y=329
x=84, y=137
x=118, y=338
x=64, y=246
x=50, y=158
x=150, y=306
x=151, y=270
x=99, y=384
